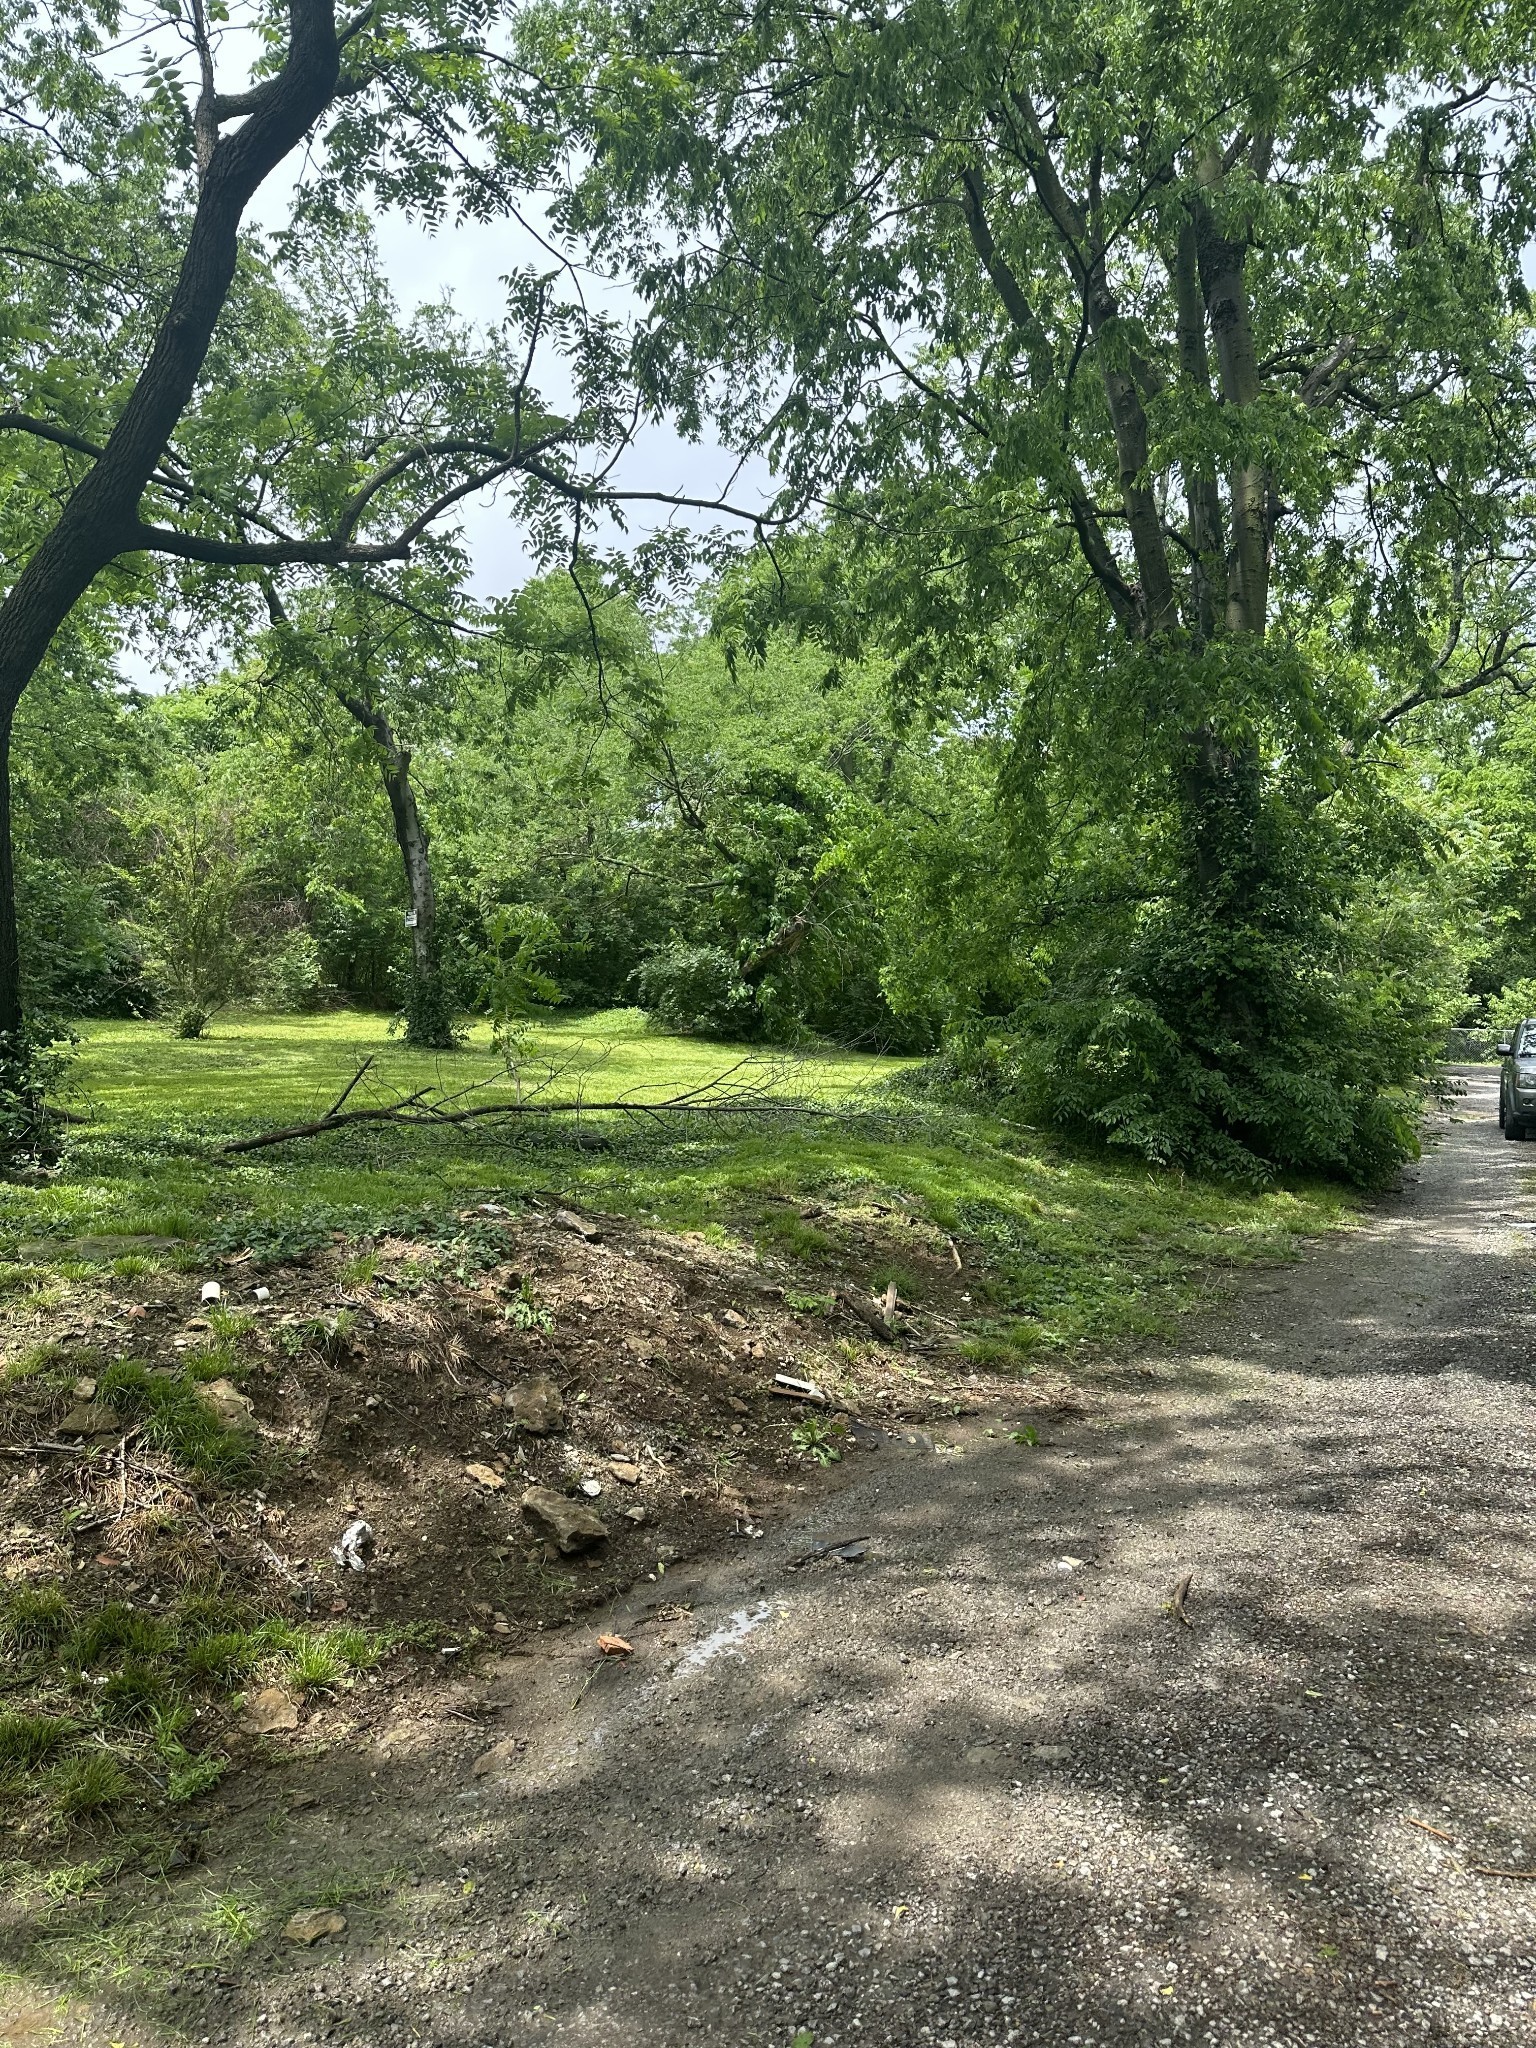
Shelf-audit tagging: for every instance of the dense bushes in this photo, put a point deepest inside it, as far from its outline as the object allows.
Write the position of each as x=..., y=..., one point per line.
x=1261, y=1003
x=696, y=988
x=1217, y=961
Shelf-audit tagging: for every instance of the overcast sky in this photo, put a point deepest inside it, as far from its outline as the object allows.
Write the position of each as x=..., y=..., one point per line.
x=468, y=263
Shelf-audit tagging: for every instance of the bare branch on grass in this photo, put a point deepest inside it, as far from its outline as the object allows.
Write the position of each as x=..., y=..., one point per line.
x=762, y=1096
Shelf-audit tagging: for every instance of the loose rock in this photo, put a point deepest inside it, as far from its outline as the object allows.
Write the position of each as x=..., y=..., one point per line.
x=484, y=1476
x=234, y=1409
x=567, y=1219
x=537, y=1406
x=270, y=1712
x=313, y=1923
x=91, y=1418
x=572, y=1525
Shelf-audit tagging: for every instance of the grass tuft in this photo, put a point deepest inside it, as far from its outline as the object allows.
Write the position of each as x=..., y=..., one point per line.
x=32, y=1739
x=176, y=1421
x=33, y=1361
x=35, y=1618
x=134, y=1266
x=135, y=1695
x=85, y=1785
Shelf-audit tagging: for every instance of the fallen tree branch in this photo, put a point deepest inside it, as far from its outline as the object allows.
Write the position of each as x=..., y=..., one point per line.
x=341, y=1098
x=333, y=1120
x=413, y=1111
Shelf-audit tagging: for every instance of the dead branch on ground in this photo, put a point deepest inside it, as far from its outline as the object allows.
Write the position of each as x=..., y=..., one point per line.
x=760, y=1095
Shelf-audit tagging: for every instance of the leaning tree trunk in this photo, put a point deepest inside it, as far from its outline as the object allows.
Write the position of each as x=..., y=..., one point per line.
x=101, y=517
x=428, y=1005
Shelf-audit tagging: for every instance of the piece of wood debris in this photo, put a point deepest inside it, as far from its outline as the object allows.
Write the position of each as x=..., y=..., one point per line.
x=791, y=1389
x=1424, y=1824
x=866, y=1312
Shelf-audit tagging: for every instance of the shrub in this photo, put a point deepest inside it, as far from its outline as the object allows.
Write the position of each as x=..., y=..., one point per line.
x=1260, y=1005
x=292, y=978
x=696, y=989
x=1512, y=1005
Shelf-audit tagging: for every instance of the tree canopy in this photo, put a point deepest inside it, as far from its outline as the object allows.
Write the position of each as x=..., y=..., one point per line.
x=1116, y=694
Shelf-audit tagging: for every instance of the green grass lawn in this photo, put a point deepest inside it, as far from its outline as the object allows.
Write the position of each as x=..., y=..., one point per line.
x=1061, y=1246
x=277, y=1070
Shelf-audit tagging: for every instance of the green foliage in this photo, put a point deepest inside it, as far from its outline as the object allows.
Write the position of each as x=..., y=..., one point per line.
x=194, y=922
x=1253, y=1015
x=31, y=1739
x=293, y=975
x=34, y=1618
x=696, y=988
x=34, y=1062
x=109, y=1694
x=526, y=1312
x=819, y=1439
x=1514, y=1002
x=86, y=1785
x=177, y=1420
x=80, y=754
x=517, y=991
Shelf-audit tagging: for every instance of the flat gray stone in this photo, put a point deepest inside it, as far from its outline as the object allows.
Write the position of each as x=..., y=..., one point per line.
x=571, y=1523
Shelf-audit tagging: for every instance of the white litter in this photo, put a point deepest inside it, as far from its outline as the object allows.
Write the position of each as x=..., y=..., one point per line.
x=212, y=1291
x=726, y=1637
x=355, y=1547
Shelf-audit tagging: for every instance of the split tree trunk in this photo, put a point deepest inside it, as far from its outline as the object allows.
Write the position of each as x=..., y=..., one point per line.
x=1222, y=259
x=428, y=1009
x=1202, y=497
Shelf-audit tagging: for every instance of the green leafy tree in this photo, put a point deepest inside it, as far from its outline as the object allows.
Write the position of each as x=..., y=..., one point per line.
x=194, y=918
x=163, y=436
x=1165, y=388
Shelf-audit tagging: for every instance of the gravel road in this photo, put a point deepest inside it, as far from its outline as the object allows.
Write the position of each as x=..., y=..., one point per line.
x=981, y=1786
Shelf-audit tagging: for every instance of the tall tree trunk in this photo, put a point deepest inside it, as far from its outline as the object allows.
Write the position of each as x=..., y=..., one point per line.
x=11, y=1019
x=428, y=1008
x=1201, y=496
x=101, y=518
x=1221, y=263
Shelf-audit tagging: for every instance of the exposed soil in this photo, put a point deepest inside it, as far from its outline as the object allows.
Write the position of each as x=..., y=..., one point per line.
x=982, y=1783
x=393, y=1392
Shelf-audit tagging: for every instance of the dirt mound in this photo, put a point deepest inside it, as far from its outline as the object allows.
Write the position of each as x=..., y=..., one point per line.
x=428, y=1389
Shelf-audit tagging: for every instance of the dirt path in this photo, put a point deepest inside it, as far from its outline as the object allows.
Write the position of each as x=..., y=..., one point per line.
x=979, y=1786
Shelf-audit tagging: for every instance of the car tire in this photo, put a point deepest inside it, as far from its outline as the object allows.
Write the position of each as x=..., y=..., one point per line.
x=1501, y=1112
x=1512, y=1129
